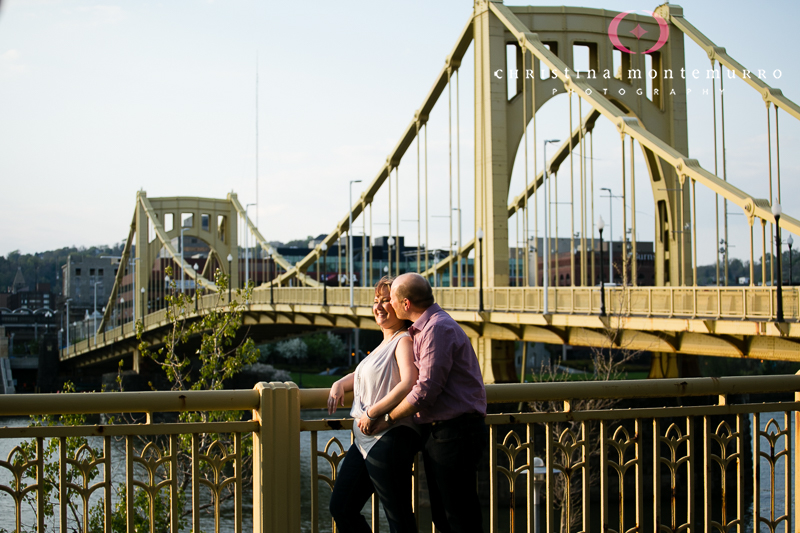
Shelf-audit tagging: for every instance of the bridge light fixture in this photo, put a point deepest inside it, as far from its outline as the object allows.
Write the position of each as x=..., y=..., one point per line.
x=600, y=226
x=479, y=235
x=324, y=248
x=776, y=212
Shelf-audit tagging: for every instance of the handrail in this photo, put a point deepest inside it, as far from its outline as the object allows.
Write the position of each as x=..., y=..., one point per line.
x=620, y=389
x=128, y=402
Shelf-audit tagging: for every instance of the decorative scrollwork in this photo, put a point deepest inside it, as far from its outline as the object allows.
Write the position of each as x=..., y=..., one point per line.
x=152, y=459
x=217, y=456
x=567, y=445
x=19, y=464
x=86, y=463
x=773, y=433
x=620, y=442
x=511, y=447
x=723, y=436
x=674, y=439
x=333, y=458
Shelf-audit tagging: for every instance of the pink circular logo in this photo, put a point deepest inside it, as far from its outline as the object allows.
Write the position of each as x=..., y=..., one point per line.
x=638, y=32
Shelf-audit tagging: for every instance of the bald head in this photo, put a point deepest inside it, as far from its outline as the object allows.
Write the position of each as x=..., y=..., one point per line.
x=411, y=292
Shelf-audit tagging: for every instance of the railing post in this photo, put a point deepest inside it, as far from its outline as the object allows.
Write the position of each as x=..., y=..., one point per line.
x=276, y=459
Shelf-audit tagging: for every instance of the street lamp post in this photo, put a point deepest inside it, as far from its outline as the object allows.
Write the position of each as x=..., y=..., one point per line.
x=479, y=235
x=94, y=314
x=611, y=238
x=350, y=239
x=247, y=247
x=458, y=250
x=390, y=243
x=183, y=228
x=195, y=287
x=66, y=302
x=166, y=288
x=230, y=276
x=790, y=242
x=121, y=310
x=324, y=248
x=600, y=225
x=546, y=272
x=271, y=285
x=776, y=212
x=144, y=310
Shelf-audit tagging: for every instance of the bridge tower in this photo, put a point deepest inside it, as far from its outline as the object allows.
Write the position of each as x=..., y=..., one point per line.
x=499, y=127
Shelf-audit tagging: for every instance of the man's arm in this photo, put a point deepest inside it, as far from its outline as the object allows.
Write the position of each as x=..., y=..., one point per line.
x=403, y=409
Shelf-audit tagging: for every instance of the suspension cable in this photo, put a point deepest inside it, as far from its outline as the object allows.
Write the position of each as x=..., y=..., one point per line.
x=450, y=162
x=724, y=171
x=571, y=201
x=716, y=171
x=458, y=178
x=634, y=270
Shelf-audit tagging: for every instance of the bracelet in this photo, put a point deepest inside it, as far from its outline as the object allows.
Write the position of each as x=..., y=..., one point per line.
x=366, y=412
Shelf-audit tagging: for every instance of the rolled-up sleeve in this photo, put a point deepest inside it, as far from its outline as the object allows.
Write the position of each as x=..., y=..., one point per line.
x=433, y=371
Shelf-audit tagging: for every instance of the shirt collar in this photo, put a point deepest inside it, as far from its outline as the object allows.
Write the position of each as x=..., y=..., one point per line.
x=422, y=321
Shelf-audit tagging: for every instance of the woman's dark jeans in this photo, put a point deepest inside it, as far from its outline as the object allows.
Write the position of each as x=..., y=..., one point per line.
x=387, y=472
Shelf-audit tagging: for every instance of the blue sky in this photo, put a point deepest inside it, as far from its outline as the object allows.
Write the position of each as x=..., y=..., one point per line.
x=101, y=99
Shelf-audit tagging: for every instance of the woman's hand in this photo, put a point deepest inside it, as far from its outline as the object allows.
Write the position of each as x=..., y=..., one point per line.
x=336, y=397
x=366, y=425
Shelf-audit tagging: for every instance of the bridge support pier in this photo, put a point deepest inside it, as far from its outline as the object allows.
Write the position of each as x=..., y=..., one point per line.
x=496, y=359
x=672, y=365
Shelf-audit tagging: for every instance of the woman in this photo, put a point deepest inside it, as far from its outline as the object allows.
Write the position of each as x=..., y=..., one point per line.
x=378, y=462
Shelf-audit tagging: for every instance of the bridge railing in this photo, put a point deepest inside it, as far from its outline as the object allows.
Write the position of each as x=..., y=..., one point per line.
x=742, y=303
x=693, y=453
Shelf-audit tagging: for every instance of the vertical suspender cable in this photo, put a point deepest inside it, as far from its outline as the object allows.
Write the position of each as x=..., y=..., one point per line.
x=694, y=235
x=716, y=171
x=571, y=201
x=764, y=252
x=427, y=242
x=682, y=254
x=458, y=179
x=370, y=244
x=536, y=183
x=634, y=269
x=724, y=172
x=752, y=258
x=397, y=219
x=778, y=153
x=582, y=191
x=525, y=139
x=556, y=273
x=388, y=247
x=771, y=230
x=591, y=195
x=624, y=239
x=363, y=242
x=450, y=161
x=419, y=238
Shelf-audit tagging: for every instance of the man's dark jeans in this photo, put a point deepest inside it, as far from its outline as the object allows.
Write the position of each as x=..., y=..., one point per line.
x=386, y=471
x=451, y=453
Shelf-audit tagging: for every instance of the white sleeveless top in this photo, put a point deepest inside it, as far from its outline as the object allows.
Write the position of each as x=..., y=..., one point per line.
x=374, y=378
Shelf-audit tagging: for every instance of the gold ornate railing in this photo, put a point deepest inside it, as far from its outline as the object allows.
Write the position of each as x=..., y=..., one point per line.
x=684, y=463
x=698, y=466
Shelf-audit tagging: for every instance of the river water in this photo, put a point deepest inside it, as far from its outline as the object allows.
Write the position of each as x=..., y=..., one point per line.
x=7, y=512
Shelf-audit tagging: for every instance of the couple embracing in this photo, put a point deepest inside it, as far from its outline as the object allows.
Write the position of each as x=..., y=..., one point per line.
x=420, y=389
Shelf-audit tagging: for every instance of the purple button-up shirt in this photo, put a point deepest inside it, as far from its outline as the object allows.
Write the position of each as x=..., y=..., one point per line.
x=450, y=382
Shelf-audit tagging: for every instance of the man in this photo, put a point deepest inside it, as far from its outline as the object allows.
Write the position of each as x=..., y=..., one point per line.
x=448, y=402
